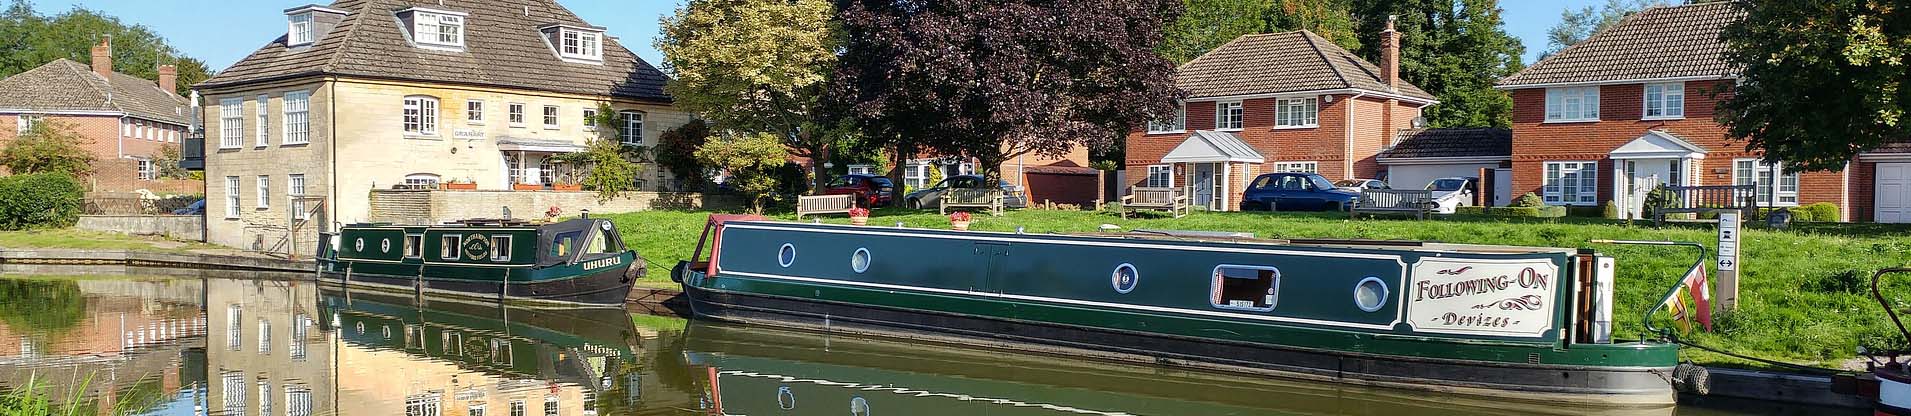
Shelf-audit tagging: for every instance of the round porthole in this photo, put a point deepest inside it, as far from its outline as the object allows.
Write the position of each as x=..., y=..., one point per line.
x=1124, y=278
x=858, y=406
x=358, y=245
x=786, y=256
x=859, y=261
x=361, y=328
x=384, y=246
x=1371, y=294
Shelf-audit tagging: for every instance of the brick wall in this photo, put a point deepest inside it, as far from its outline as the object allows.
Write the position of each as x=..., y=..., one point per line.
x=1863, y=192
x=115, y=154
x=434, y=207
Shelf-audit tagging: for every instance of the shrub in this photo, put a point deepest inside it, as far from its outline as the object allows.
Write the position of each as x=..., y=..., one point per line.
x=48, y=147
x=1821, y=212
x=1517, y=212
x=1609, y=210
x=40, y=200
x=1585, y=211
x=1529, y=200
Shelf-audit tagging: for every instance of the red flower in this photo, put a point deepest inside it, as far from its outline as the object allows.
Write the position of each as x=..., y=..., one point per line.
x=959, y=216
x=859, y=212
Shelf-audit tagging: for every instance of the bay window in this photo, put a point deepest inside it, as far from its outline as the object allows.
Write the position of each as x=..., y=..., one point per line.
x=1572, y=183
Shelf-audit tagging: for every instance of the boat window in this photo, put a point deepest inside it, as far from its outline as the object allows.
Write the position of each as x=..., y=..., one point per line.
x=448, y=247
x=859, y=261
x=1245, y=287
x=414, y=246
x=786, y=256
x=563, y=244
x=501, y=248
x=1370, y=294
x=1125, y=277
x=600, y=244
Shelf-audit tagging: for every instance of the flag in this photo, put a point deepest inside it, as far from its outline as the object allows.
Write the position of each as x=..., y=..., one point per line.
x=1695, y=283
x=1676, y=305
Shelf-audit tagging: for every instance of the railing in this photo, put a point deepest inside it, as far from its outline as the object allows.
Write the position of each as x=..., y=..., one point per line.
x=1416, y=202
x=312, y=216
x=1710, y=198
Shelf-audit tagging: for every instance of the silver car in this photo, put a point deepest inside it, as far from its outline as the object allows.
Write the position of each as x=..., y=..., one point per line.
x=1013, y=196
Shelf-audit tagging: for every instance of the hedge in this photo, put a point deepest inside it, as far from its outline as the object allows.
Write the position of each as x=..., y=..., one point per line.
x=1819, y=212
x=1524, y=212
x=40, y=200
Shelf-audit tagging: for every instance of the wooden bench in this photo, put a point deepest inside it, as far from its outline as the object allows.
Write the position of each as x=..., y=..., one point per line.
x=824, y=204
x=1419, y=203
x=990, y=199
x=1172, y=200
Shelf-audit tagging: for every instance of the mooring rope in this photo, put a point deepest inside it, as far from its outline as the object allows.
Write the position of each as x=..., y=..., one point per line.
x=1804, y=368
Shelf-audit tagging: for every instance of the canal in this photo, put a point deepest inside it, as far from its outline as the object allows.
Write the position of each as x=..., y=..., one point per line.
x=208, y=346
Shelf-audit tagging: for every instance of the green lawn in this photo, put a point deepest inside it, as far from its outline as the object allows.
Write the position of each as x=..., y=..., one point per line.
x=1803, y=296
x=78, y=239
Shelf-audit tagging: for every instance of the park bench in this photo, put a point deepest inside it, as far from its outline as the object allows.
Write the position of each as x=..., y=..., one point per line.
x=1694, y=200
x=990, y=199
x=1172, y=200
x=824, y=204
x=1418, y=203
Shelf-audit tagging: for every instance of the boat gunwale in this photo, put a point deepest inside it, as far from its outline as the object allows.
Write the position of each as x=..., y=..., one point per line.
x=1168, y=241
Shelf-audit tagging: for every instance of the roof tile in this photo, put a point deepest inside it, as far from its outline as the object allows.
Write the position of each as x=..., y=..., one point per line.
x=1451, y=142
x=1282, y=62
x=1656, y=43
x=65, y=85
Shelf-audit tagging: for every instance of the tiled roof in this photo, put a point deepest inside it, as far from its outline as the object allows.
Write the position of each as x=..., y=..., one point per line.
x=1453, y=142
x=64, y=85
x=1893, y=148
x=1282, y=62
x=1658, y=42
x=1205, y=146
x=503, y=47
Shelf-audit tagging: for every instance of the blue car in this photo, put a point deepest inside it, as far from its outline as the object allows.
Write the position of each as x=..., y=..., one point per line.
x=1295, y=192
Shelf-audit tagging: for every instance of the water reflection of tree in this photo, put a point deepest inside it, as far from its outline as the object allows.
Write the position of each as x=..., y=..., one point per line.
x=41, y=306
x=662, y=356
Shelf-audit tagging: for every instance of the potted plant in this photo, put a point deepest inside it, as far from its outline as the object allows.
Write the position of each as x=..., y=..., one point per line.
x=960, y=220
x=859, y=216
x=567, y=183
x=526, y=187
x=466, y=184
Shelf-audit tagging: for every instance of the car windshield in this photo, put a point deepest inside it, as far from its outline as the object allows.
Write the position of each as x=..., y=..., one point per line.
x=1447, y=185
x=1320, y=182
x=1350, y=183
x=882, y=182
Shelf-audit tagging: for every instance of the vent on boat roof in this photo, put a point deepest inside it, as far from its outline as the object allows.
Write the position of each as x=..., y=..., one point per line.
x=1196, y=234
x=479, y=222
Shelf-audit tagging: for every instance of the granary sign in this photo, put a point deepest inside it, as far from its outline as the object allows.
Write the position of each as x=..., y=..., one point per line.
x=1509, y=298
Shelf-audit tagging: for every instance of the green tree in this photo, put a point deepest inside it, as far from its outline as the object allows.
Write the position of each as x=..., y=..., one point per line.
x=29, y=39
x=1822, y=81
x=1208, y=24
x=167, y=161
x=676, y=151
x=50, y=146
x=1454, y=49
x=754, y=66
x=1576, y=25
x=605, y=164
x=751, y=160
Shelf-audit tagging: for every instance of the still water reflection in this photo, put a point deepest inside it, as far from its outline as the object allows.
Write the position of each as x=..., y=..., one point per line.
x=285, y=347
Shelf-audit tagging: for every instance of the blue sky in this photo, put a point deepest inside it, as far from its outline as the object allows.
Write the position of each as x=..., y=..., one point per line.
x=222, y=32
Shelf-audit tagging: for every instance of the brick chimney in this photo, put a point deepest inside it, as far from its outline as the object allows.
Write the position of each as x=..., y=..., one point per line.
x=103, y=57
x=1390, y=55
x=169, y=78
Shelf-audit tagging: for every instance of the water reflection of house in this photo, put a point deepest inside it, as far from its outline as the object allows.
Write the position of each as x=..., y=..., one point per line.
x=120, y=335
x=265, y=354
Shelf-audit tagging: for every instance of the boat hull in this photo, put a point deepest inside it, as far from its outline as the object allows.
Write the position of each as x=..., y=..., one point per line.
x=605, y=287
x=1593, y=385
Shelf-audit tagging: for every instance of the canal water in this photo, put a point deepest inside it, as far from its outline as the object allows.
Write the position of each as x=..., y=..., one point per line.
x=158, y=346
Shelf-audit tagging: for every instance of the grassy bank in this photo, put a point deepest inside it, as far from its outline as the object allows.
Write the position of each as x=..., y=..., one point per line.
x=91, y=240
x=1803, y=296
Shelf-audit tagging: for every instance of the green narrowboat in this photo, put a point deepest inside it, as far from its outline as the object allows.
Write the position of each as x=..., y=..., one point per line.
x=576, y=262
x=1486, y=320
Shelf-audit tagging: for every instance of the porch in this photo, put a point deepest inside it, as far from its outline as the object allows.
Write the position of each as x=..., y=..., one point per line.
x=1212, y=168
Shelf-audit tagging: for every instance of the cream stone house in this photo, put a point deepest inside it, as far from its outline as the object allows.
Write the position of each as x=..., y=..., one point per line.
x=364, y=95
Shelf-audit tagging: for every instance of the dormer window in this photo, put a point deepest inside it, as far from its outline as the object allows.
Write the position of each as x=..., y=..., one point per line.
x=576, y=43
x=305, y=25
x=435, y=28
x=300, y=31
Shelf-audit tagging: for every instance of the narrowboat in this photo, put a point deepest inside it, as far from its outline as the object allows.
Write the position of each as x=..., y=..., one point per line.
x=1508, y=322
x=576, y=262
x=1888, y=385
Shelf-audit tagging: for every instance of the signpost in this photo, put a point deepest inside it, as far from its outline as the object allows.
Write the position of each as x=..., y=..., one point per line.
x=1728, y=263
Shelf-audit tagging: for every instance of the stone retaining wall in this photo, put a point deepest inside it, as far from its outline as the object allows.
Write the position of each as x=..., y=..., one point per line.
x=177, y=227
x=438, y=206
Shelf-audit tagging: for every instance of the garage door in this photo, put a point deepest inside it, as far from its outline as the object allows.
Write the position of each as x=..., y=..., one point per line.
x=1894, y=193
x=1418, y=176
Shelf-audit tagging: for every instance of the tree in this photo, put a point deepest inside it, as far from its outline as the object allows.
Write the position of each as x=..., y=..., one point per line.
x=751, y=160
x=28, y=40
x=1822, y=81
x=167, y=161
x=754, y=67
x=1577, y=25
x=605, y=164
x=676, y=151
x=50, y=146
x=1208, y=24
x=994, y=79
x=1455, y=49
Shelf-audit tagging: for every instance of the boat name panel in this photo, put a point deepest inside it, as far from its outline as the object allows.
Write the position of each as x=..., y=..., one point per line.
x=1505, y=298
x=602, y=263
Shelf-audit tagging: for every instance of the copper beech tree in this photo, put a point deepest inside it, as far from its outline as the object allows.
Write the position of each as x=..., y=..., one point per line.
x=996, y=79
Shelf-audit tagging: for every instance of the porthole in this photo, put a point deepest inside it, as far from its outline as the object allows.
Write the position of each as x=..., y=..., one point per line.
x=787, y=255
x=358, y=245
x=858, y=406
x=1125, y=278
x=859, y=261
x=384, y=245
x=1370, y=295
x=785, y=398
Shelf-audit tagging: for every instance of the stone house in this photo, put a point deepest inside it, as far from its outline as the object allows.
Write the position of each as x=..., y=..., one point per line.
x=366, y=95
x=127, y=119
x=1282, y=102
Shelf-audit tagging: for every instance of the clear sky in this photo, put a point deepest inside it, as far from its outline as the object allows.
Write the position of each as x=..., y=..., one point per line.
x=222, y=32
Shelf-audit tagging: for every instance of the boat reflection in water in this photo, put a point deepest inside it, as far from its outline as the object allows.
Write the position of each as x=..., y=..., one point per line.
x=761, y=371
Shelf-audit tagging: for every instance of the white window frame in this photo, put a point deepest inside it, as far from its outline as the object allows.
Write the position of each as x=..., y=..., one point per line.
x=1229, y=116
x=232, y=197
x=1749, y=171
x=264, y=185
x=299, y=30
x=590, y=114
x=550, y=405
x=474, y=112
x=264, y=121
x=438, y=28
x=147, y=170
x=1297, y=113
x=298, y=400
x=514, y=114
x=231, y=123
x=1580, y=176
x=426, y=404
x=25, y=122
x=552, y=116
x=631, y=127
x=1178, y=124
x=1664, y=101
x=500, y=248
x=1160, y=176
x=580, y=44
x=298, y=118
x=295, y=192
x=1560, y=101
x=265, y=336
x=421, y=115
x=1296, y=167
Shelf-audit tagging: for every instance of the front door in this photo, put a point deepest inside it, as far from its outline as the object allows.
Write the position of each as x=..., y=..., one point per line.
x=1645, y=175
x=1204, y=182
x=1894, y=193
x=1502, y=187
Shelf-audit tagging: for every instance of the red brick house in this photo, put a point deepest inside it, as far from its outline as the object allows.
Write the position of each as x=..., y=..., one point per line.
x=1633, y=107
x=1275, y=102
x=128, y=119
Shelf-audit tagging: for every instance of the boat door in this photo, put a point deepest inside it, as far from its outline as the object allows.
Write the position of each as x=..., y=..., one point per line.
x=991, y=256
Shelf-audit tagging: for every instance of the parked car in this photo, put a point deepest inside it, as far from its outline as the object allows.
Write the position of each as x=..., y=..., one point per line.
x=870, y=191
x=1013, y=197
x=1452, y=193
x=1358, y=185
x=1295, y=192
x=197, y=208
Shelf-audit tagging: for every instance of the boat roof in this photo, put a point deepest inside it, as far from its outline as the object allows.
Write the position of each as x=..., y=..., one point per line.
x=1223, y=237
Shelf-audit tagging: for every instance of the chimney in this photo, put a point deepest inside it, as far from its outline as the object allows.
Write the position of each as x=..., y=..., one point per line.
x=1390, y=55
x=103, y=57
x=169, y=78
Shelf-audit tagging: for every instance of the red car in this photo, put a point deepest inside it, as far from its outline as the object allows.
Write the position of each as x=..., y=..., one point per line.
x=871, y=191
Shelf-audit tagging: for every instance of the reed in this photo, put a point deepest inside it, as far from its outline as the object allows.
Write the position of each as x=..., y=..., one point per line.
x=35, y=399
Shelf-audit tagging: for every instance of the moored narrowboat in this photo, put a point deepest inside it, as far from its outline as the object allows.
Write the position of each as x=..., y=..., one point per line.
x=1512, y=322
x=576, y=262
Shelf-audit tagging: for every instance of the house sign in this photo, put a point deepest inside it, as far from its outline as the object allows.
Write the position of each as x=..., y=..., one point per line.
x=468, y=134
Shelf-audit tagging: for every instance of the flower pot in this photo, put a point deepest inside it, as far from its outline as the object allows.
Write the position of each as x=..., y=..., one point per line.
x=456, y=186
x=960, y=225
x=526, y=187
x=859, y=220
x=568, y=188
